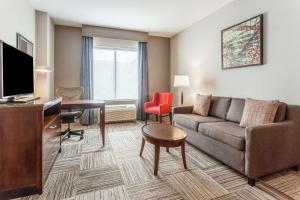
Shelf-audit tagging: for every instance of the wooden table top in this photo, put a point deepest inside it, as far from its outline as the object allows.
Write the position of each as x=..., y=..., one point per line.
x=163, y=132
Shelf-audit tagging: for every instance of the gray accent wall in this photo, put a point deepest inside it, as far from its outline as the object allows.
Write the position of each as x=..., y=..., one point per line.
x=67, y=56
x=159, y=64
x=96, y=31
x=197, y=52
x=68, y=59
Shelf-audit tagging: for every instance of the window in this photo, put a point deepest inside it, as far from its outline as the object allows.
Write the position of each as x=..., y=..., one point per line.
x=115, y=73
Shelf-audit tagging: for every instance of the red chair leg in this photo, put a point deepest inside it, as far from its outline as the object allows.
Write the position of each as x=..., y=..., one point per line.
x=160, y=119
x=146, y=119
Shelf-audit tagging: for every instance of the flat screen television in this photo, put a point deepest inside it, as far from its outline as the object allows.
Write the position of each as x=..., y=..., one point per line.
x=16, y=72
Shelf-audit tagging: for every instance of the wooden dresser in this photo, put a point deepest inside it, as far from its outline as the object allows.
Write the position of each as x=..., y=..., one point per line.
x=29, y=144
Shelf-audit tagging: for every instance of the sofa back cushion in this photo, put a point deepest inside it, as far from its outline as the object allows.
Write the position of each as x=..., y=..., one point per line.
x=281, y=112
x=235, y=111
x=202, y=104
x=258, y=112
x=219, y=107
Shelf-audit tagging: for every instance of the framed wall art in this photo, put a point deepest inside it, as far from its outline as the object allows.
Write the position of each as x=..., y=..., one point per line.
x=242, y=44
x=24, y=44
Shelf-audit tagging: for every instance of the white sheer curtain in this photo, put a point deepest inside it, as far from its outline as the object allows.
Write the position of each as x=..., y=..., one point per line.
x=115, y=73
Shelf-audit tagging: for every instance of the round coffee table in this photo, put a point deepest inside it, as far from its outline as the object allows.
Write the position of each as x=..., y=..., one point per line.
x=163, y=135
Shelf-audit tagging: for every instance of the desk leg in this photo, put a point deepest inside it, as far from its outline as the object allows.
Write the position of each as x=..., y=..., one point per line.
x=102, y=124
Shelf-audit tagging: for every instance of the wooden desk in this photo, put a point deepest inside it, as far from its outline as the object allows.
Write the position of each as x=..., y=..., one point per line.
x=89, y=104
x=29, y=145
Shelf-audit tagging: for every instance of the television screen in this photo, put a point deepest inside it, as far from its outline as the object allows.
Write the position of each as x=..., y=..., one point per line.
x=17, y=72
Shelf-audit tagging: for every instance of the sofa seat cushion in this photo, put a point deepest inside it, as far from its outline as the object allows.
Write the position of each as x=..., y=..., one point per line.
x=226, y=132
x=191, y=121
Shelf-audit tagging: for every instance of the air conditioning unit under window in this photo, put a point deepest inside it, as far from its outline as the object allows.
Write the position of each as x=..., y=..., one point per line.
x=120, y=113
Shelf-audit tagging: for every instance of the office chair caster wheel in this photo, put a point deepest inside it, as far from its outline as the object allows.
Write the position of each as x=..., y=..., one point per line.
x=69, y=136
x=81, y=137
x=82, y=132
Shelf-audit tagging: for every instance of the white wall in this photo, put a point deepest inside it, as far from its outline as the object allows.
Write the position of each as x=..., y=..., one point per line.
x=51, y=43
x=16, y=16
x=197, y=53
x=44, y=54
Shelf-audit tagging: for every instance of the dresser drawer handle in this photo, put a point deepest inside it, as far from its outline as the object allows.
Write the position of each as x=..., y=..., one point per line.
x=53, y=126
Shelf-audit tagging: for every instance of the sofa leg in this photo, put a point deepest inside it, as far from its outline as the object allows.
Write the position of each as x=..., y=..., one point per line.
x=251, y=182
x=295, y=168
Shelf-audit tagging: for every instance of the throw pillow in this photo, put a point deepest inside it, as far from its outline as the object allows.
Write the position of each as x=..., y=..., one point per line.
x=202, y=104
x=258, y=112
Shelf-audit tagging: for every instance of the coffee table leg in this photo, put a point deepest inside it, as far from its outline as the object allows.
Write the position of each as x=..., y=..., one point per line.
x=156, y=159
x=168, y=149
x=142, y=147
x=183, y=154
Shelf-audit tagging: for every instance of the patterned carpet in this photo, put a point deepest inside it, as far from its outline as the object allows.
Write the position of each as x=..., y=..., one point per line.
x=87, y=171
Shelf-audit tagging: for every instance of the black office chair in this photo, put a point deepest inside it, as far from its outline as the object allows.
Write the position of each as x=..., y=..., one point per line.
x=70, y=116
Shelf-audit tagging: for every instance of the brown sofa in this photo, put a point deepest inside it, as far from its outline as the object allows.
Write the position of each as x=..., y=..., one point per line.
x=253, y=151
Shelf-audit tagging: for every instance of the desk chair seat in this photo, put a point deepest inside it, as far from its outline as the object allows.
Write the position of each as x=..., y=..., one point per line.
x=70, y=116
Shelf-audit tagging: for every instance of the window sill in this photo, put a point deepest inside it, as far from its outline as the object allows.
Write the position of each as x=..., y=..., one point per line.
x=120, y=101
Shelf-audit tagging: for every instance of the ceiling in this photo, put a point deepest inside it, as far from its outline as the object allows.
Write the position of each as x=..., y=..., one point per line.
x=158, y=17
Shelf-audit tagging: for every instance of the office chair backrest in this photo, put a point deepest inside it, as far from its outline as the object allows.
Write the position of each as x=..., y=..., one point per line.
x=69, y=93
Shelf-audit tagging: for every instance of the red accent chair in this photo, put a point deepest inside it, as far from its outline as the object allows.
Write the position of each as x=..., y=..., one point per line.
x=160, y=106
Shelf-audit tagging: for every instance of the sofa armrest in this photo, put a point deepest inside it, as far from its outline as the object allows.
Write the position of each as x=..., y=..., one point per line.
x=271, y=147
x=182, y=110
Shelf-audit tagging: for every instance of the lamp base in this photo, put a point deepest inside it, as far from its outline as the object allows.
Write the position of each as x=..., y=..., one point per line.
x=181, y=99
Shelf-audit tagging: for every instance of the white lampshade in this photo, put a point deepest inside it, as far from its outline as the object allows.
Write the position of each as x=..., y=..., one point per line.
x=181, y=81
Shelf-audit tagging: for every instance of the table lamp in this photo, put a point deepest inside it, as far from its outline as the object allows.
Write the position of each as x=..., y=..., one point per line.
x=181, y=81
